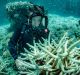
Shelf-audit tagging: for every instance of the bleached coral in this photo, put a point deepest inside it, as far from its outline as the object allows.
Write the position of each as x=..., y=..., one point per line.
x=4, y=38
x=17, y=13
x=51, y=58
x=59, y=24
x=6, y=61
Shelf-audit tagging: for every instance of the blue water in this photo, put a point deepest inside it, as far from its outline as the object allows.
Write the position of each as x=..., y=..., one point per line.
x=60, y=7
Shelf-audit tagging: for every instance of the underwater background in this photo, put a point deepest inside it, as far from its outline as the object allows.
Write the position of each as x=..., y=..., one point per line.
x=63, y=7
x=64, y=16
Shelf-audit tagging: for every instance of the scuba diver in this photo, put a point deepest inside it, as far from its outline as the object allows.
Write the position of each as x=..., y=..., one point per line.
x=35, y=28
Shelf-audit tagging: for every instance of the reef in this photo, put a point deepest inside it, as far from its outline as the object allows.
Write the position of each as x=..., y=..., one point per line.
x=6, y=61
x=60, y=24
x=51, y=58
x=48, y=58
x=55, y=56
x=17, y=13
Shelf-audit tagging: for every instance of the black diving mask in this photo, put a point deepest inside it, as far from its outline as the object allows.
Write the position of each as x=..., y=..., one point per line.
x=42, y=25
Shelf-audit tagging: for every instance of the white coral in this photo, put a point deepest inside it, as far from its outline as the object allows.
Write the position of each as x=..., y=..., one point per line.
x=62, y=58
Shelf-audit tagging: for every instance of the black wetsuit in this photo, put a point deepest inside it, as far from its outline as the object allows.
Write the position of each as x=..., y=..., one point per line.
x=24, y=35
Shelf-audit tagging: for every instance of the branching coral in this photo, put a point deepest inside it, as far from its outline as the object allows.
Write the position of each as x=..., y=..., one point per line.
x=2, y=65
x=59, y=24
x=6, y=62
x=4, y=38
x=6, y=67
x=51, y=58
x=17, y=13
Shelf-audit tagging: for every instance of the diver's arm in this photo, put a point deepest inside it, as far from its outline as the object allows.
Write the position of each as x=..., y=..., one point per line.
x=13, y=42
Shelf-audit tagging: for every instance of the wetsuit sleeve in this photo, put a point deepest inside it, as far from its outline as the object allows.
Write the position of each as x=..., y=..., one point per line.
x=13, y=42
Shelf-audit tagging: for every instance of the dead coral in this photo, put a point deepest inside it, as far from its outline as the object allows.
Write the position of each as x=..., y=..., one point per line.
x=6, y=61
x=18, y=13
x=51, y=58
x=4, y=38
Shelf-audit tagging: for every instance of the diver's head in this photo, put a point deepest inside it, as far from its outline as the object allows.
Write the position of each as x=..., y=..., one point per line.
x=38, y=19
